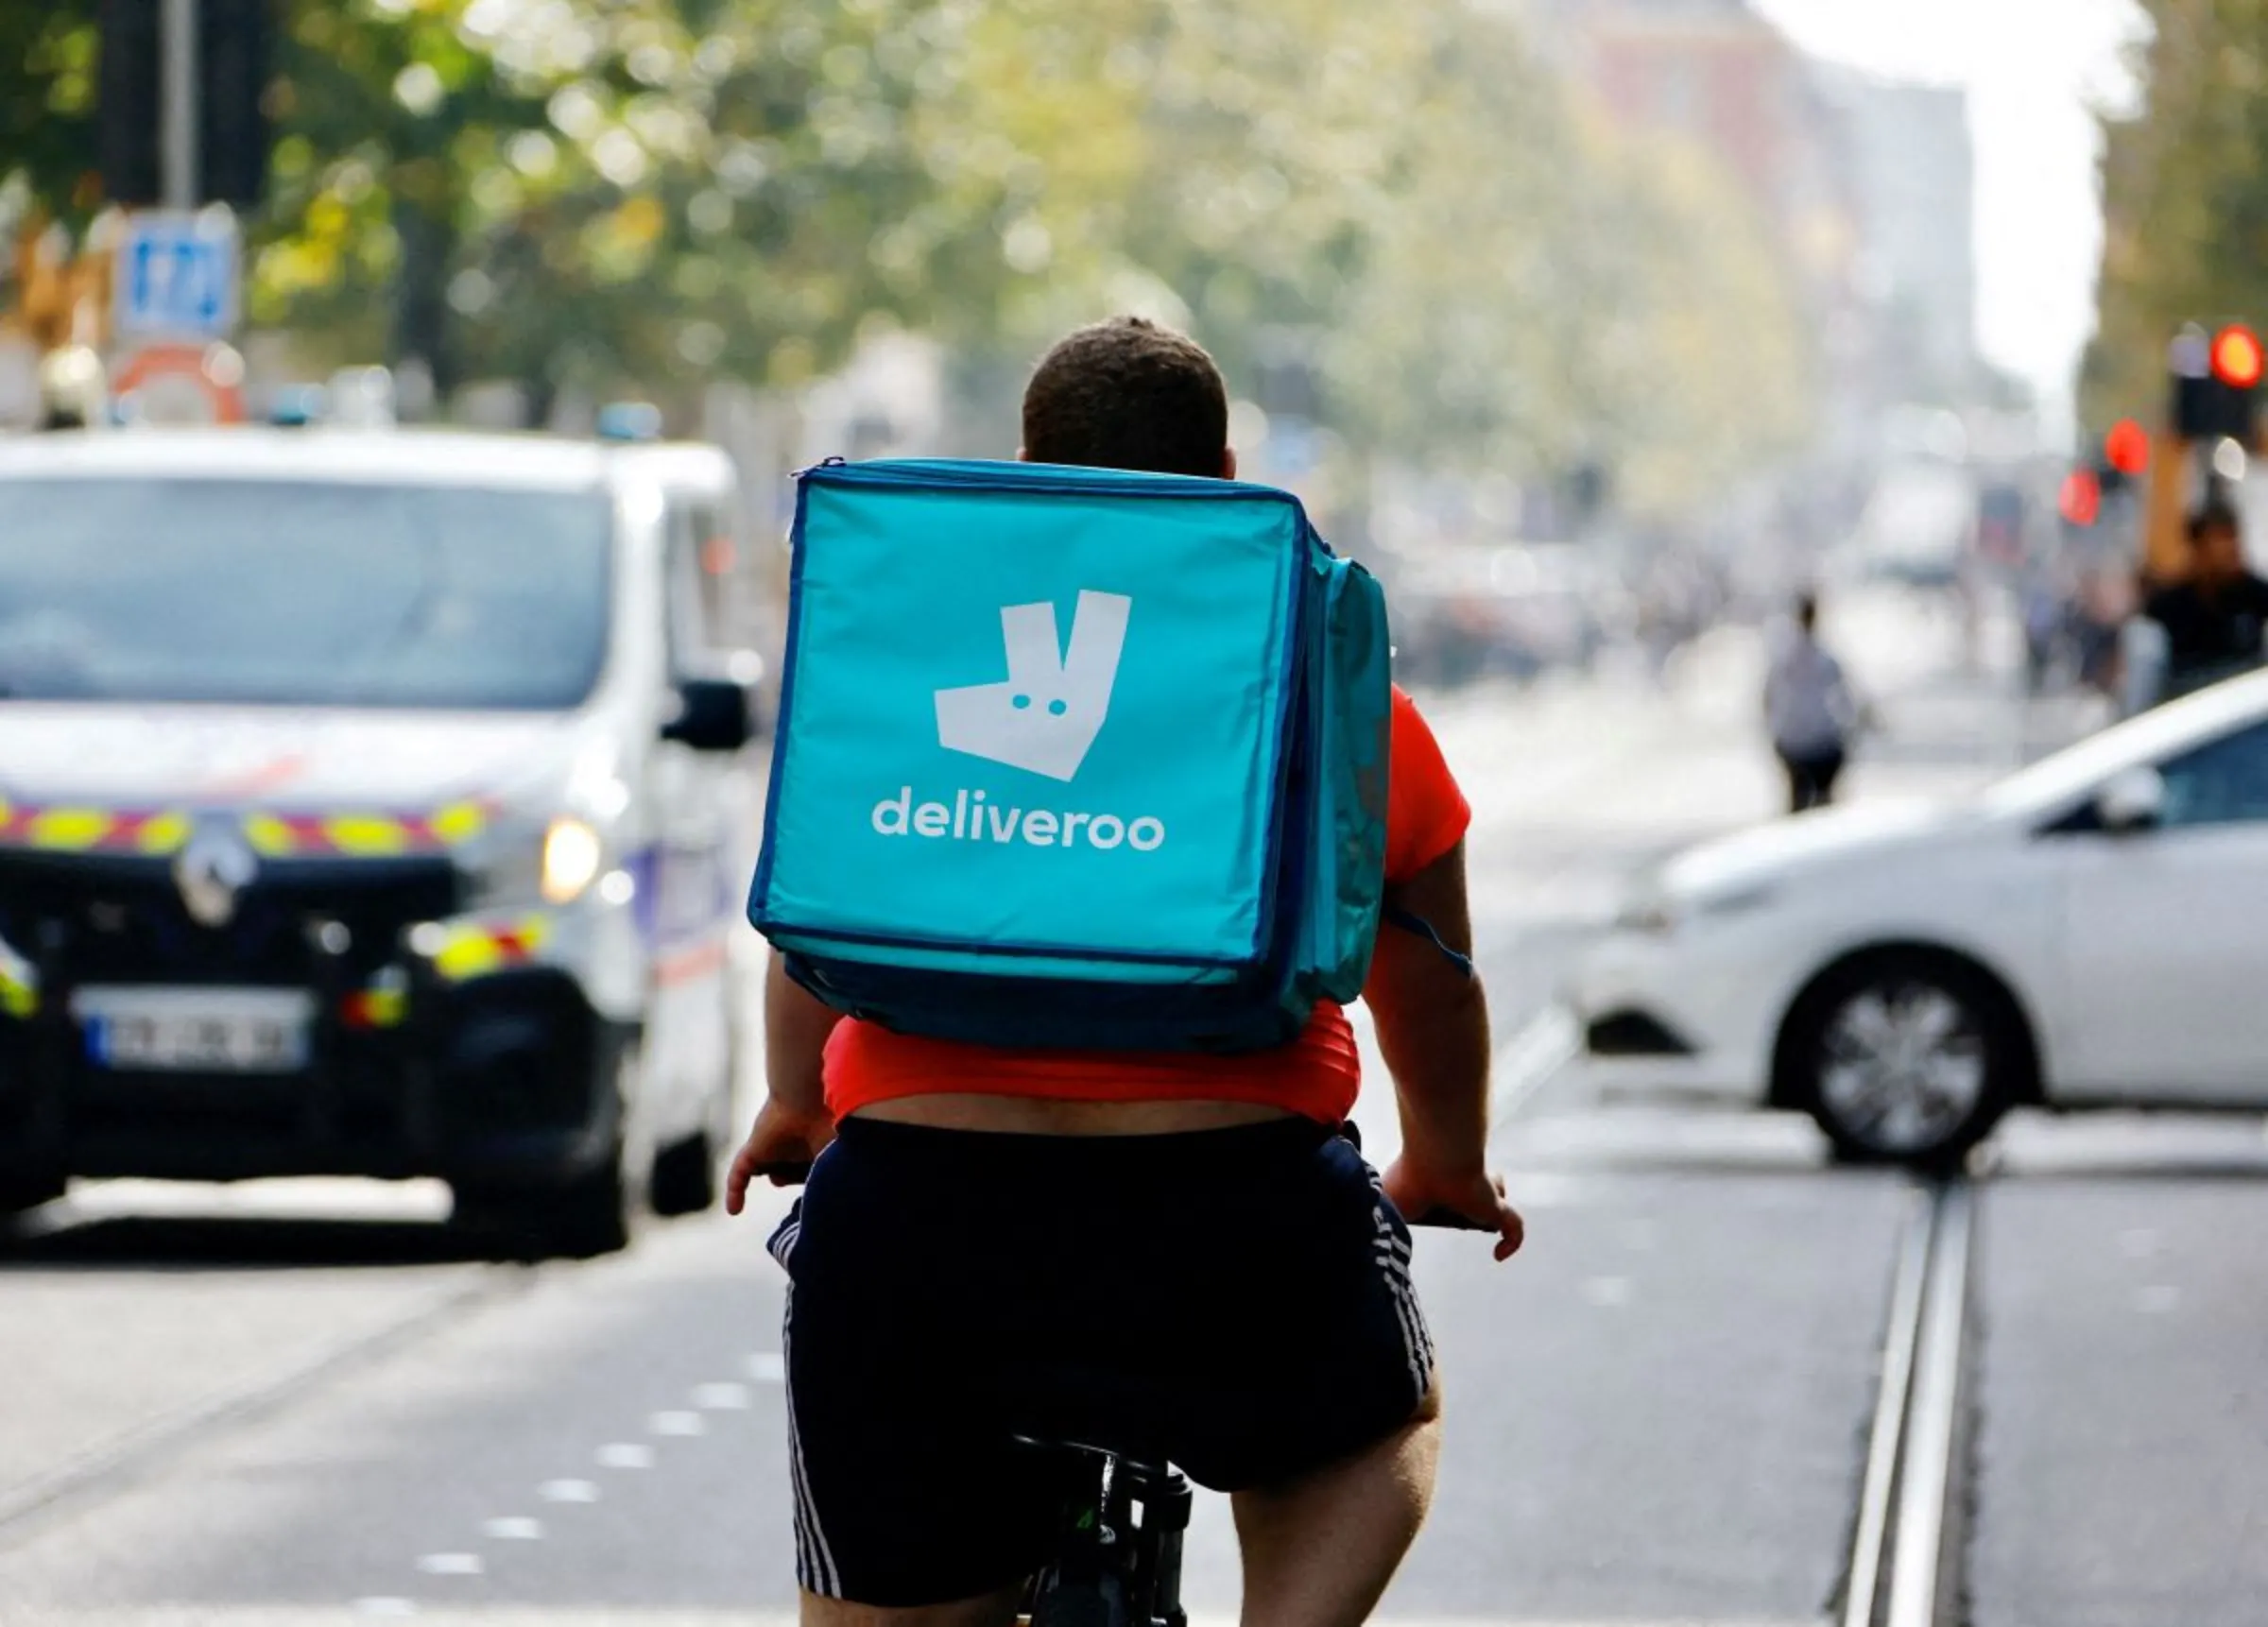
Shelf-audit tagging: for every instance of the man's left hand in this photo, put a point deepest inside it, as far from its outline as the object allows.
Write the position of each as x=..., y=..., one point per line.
x=780, y=1135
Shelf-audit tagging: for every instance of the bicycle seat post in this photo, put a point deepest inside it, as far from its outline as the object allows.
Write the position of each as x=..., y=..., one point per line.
x=1164, y=1500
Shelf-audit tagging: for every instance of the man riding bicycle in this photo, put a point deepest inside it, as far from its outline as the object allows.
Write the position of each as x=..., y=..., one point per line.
x=1175, y=1255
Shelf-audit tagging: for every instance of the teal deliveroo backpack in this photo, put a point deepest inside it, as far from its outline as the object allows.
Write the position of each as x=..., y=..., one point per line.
x=1073, y=758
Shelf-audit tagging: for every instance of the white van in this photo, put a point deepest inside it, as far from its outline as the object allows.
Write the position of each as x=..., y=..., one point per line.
x=365, y=810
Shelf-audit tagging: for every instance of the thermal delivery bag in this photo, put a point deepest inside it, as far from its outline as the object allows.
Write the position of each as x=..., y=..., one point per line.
x=1073, y=758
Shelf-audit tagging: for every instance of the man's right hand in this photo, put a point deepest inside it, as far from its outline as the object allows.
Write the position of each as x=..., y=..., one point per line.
x=780, y=1135
x=1478, y=1196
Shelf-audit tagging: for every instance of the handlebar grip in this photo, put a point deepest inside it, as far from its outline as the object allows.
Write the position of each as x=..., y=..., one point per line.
x=1450, y=1220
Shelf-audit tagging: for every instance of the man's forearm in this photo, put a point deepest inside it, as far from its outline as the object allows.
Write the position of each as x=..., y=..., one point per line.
x=795, y=1027
x=1432, y=1019
x=1439, y=1053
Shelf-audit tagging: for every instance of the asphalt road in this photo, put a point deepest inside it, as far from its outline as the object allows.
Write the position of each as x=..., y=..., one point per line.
x=301, y=1404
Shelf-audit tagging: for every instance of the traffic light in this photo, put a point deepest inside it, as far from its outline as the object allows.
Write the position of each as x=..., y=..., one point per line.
x=234, y=42
x=2237, y=357
x=2126, y=448
x=2217, y=383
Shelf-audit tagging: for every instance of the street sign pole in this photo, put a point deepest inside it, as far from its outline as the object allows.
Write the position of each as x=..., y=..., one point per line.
x=179, y=84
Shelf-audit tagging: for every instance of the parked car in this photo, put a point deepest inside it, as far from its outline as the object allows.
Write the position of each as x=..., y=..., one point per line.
x=2086, y=933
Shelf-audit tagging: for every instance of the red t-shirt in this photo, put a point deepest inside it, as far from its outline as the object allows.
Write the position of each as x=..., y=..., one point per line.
x=1317, y=1075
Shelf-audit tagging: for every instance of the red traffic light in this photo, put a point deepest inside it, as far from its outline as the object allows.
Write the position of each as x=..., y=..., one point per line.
x=2238, y=360
x=2081, y=499
x=2127, y=447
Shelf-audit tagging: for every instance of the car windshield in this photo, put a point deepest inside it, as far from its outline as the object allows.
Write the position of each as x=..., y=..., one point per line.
x=302, y=592
x=2055, y=783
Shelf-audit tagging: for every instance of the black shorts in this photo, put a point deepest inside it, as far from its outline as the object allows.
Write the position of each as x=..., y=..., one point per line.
x=1235, y=1302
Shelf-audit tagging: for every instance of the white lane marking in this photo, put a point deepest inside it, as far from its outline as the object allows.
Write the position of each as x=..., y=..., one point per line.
x=385, y=1607
x=451, y=1563
x=678, y=1424
x=767, y=1367
x=568, y=1491
x=1533, y=1058
x=625, y=1455
x=2158, y=1300
x=722, y=1398
x=1607, y=1292
x=513, y=1528
x=2137, y=1242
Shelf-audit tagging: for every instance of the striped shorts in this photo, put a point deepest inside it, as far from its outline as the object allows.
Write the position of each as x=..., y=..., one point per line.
x=1236, y=1302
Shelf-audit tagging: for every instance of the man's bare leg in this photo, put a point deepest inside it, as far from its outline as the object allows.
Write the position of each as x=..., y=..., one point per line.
x=1319, y=1552
x=994, y=1610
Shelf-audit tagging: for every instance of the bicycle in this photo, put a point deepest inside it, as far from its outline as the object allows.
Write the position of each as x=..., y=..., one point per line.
x=1121, y=1520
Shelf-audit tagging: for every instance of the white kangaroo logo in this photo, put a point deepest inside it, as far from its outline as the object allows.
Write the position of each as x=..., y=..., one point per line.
x=1045, y=717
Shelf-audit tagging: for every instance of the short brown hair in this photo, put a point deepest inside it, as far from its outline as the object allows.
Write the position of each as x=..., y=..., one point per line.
x=1128, y=394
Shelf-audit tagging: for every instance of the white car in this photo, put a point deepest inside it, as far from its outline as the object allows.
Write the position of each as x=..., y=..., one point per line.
x=2092, y=930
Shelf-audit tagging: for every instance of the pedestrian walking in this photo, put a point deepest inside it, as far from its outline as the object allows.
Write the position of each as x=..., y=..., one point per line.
x=1810, y=710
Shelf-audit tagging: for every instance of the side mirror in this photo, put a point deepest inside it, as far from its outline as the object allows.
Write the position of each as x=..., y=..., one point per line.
x=713, y=714
x=2134, y=801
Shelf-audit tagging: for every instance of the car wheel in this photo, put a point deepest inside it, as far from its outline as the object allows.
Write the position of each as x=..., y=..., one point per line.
x=685, y=1176
x=685, y=1172
x=580, y=1220
x=1904, y=1058
x=587, y=1215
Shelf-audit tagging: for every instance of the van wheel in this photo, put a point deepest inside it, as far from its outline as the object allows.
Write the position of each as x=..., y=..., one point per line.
x=685, y=1176
x=1904, y=1058
x=586, y=1217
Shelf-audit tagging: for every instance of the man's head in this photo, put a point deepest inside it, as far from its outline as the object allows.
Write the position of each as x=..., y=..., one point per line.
x=1128, y=394
x=2217, y=542
x=1807, y=612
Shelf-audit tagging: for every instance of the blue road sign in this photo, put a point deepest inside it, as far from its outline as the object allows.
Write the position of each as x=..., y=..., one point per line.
x=177, y=276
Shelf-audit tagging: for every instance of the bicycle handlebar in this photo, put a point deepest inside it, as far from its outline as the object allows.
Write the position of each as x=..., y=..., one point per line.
x=796, y=1174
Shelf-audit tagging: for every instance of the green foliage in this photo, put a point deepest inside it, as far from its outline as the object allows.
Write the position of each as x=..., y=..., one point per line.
x=640, y=192
x=49, y=61
x=2185, y=200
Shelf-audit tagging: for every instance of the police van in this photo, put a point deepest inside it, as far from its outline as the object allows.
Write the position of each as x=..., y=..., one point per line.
x=367, y=808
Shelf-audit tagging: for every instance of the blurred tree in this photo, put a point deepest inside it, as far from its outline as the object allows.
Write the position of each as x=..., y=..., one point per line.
x=49, y=57
x=1387, y=220
x=598, y=191
x=2185, y=199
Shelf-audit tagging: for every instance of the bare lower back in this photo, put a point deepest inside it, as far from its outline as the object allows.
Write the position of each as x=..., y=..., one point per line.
x=1034, y=1116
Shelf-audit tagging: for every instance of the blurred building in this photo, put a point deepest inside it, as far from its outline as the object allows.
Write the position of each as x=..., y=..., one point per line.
x=1867, y=183
x=1914, y=183
x=1716, y=72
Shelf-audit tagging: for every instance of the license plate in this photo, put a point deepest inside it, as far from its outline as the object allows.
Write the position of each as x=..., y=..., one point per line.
x=196, y=1030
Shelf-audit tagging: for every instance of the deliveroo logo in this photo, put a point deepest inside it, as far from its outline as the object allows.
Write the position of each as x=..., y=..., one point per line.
x=1045, y=717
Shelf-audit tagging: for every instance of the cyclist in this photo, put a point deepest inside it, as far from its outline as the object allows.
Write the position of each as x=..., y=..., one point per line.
x=1174, y=1256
